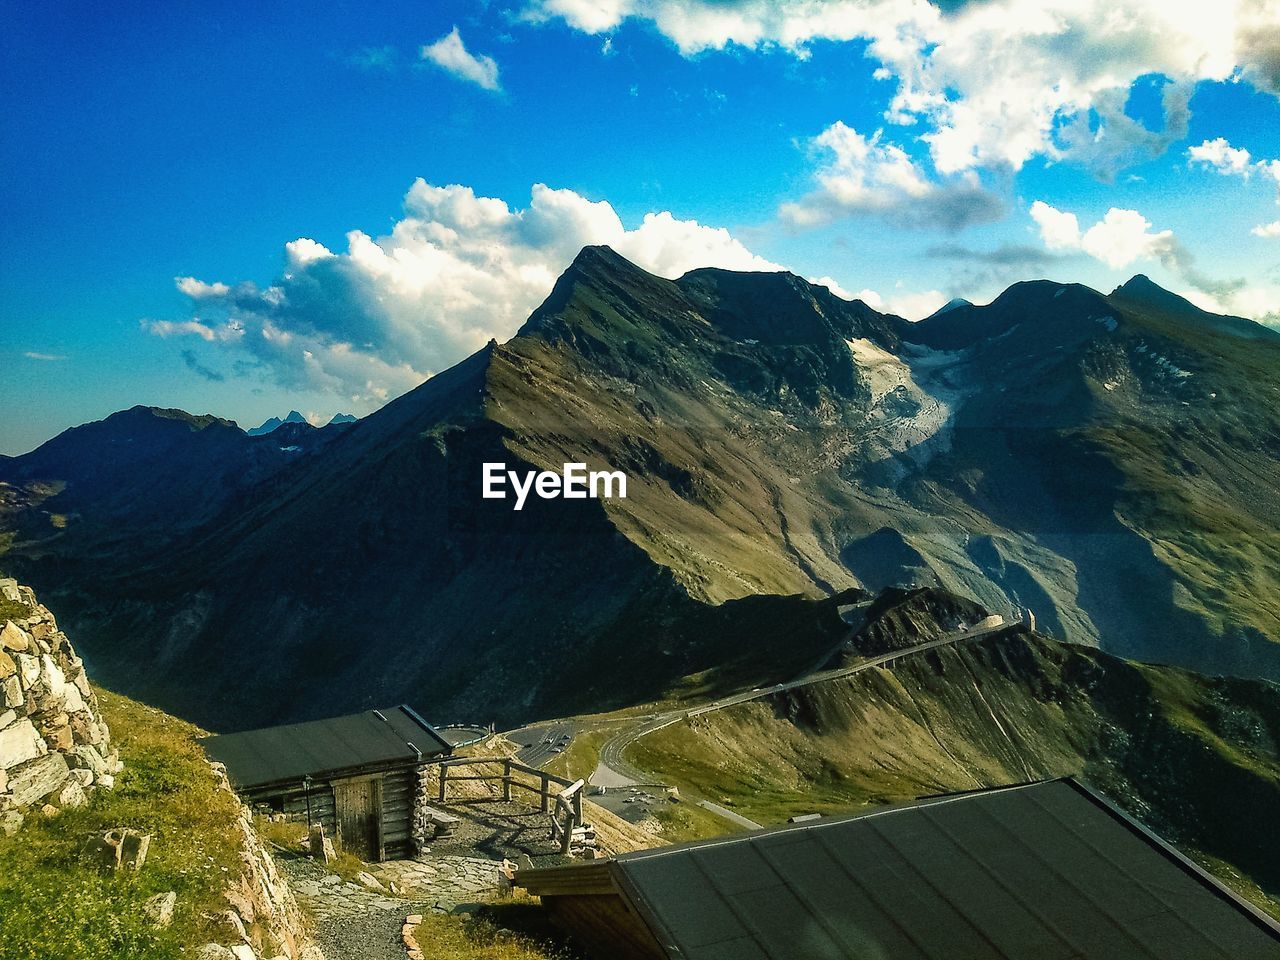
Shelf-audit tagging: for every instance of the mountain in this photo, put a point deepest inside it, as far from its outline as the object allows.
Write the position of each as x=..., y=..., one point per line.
x=1192, y=757
x=1109, y=462
x=339, y=418
x=274, y=423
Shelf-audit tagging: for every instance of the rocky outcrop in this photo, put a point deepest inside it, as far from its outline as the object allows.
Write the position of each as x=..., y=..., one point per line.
x=262, y=918
x=54, y=746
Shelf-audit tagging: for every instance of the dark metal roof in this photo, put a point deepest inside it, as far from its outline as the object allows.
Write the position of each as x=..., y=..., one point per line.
x=1045, y=871
x=322, y=748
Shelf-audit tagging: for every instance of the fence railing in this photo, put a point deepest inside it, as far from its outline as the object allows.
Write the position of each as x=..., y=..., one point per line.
x=567, y=824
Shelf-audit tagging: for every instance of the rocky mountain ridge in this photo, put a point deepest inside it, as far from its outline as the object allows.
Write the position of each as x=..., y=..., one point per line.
x=1107, y=461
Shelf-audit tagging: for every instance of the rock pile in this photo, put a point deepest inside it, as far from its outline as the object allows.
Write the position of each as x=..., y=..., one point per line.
x=54, y=745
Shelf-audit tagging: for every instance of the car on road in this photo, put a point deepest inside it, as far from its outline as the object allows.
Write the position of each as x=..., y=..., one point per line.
x=557, y=749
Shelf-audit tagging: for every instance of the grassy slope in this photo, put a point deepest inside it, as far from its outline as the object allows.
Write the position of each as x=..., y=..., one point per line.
x=1215, y=525
x=54, y=906
x=1195, y=758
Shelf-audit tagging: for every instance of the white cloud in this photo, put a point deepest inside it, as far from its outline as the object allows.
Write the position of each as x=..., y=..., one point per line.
x=50, y=357
x=869, y=176
x=197, y=290
x=1231, y=161
x=449, y=53
x=1118, y=239
x=1257, y=302
x=1058, y=230
x=1123, y=237
x=455, y=271
x=1000, y=81
x=180, y=328
x=1221, y=156
x=916, y=306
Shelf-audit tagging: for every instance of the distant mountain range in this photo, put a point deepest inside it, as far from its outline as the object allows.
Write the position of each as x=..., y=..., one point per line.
x=274, y=423
x=1109, y=461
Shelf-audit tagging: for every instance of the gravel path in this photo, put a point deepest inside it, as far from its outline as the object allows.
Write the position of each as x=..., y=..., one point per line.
x=351, y=922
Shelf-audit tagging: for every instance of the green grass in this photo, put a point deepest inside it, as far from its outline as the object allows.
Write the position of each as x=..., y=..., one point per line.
x=517, y=929
x=582, y=757
x=54, y=906
x=13, y=610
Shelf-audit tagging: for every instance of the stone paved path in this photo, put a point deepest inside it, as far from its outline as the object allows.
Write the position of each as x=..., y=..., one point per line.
x=353, y=923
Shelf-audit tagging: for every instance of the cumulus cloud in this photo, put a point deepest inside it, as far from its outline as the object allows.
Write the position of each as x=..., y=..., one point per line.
x=868, y=176
x=1229, y=161
x=1221, y=156
x=198, y=290
x=449, y=53
x=1118, y=239
x=999, y=81
x=457, y=269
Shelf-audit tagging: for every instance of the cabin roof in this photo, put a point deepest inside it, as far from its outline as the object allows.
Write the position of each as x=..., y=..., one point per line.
x=1048, y=869
x=322, y=748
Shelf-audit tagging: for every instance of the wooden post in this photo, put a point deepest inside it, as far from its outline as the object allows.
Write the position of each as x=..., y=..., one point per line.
x=546, y=793
x=566, y=838
x=506, y=781
x=444, y=773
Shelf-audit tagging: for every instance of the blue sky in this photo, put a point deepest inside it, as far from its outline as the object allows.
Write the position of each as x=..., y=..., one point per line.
x=862, y=143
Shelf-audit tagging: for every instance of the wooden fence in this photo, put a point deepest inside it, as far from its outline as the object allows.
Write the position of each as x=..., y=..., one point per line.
x=567, y=824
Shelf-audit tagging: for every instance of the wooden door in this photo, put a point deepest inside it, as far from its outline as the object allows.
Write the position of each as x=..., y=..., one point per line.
x=358, y=812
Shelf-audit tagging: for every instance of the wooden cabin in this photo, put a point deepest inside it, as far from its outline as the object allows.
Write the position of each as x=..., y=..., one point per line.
x=362, y=776
x=1039, y=870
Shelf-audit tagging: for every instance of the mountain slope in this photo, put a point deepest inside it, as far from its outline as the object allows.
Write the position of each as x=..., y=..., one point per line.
x=1194, y=758
x=1108, y=462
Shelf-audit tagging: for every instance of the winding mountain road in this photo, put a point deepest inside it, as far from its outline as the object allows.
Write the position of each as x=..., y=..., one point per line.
x=615, y=771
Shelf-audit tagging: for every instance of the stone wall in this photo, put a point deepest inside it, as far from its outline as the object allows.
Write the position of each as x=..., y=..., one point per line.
x=54, y=746
x=262, y=914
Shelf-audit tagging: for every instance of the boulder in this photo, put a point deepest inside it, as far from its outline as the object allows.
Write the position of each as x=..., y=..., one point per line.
x=8, y=667
x=28, y=669
x=10, y=688
x=242, y=951
x=119, y=849
x=10, y=822
x=86, y=755
x=72, y=795
x=13, y=637
x=83, y=776
x=36, y=779
x=9, y=590
x=214, y=951
x=7, y=717
x=20, y=742
x=159, y=909
x=369, y=882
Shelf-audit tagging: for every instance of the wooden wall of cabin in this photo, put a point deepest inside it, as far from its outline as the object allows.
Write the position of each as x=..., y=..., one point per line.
x=604, y=926
x=399, y=793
